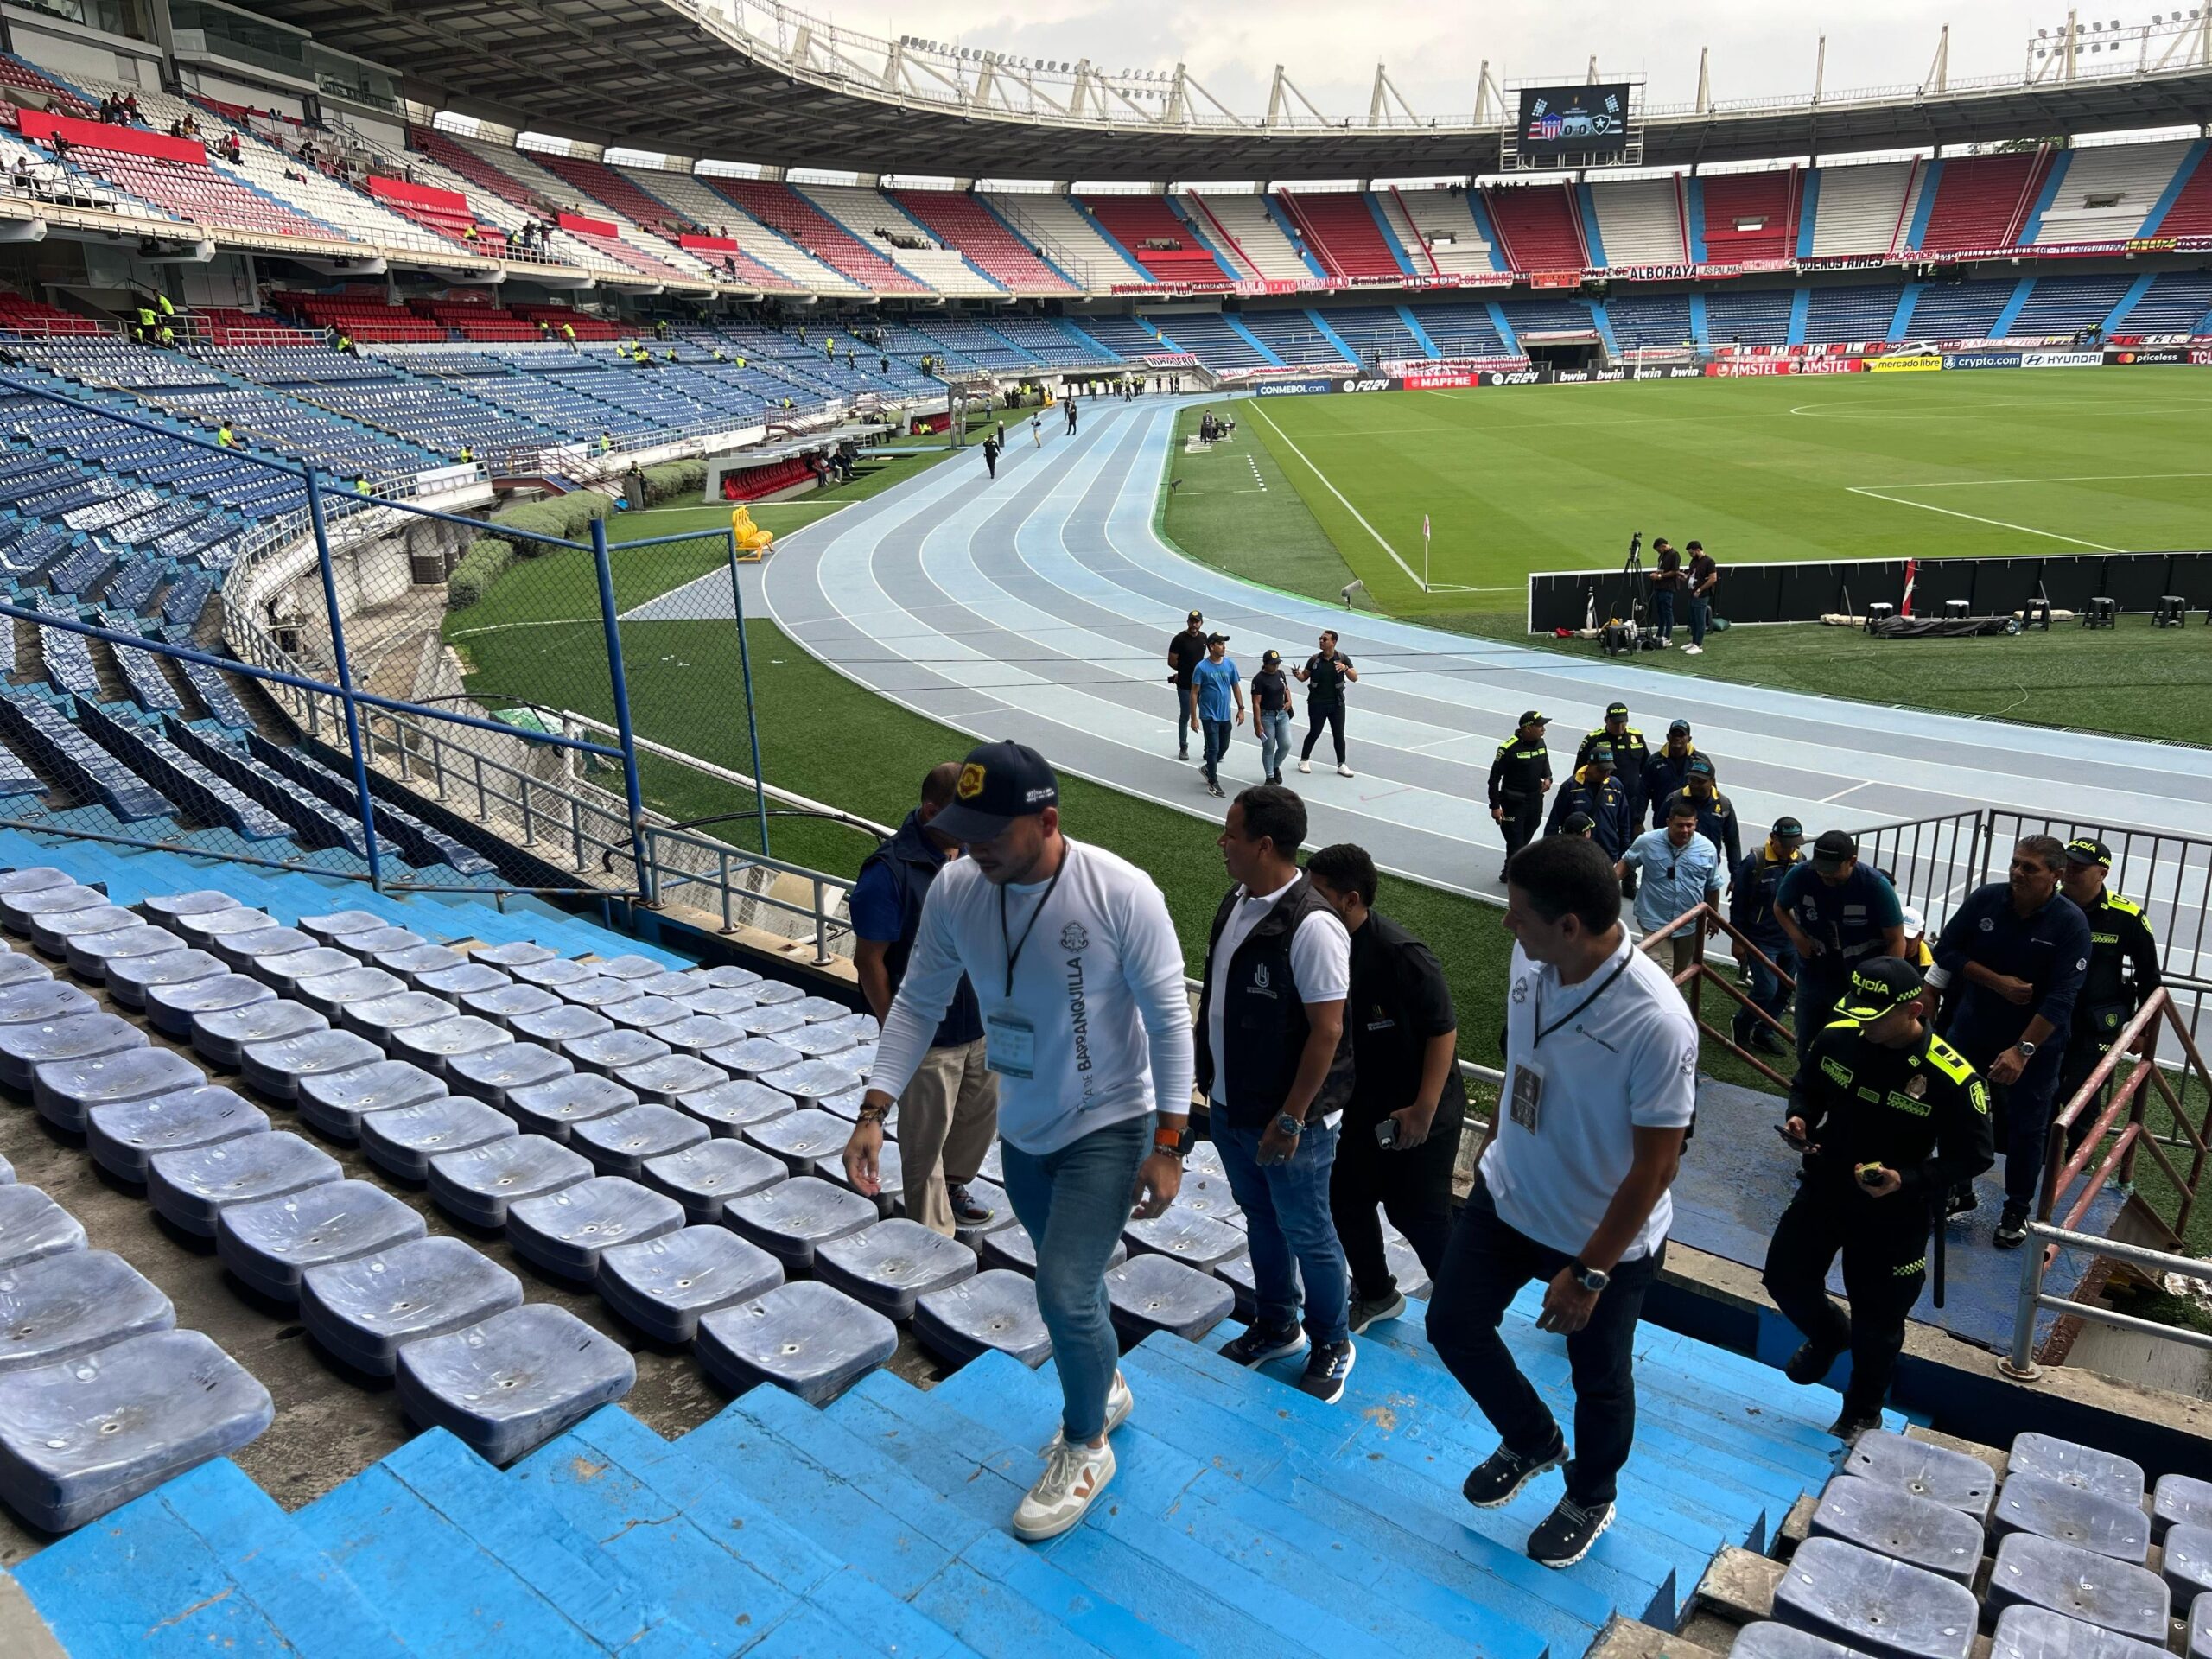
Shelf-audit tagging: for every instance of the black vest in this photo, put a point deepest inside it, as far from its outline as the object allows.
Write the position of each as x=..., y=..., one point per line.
x=1263, y=1018
x=914, y=863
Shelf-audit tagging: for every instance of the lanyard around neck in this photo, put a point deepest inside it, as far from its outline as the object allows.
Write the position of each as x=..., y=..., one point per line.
x=1580, y=1008
x=1014, y=945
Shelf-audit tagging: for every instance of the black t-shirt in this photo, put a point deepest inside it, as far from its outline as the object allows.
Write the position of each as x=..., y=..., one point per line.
x=1270, y=690
x=1703, y=565
x=1397, y=1001
x=1325, y=677
x=1667, y=575
x=1186, y=651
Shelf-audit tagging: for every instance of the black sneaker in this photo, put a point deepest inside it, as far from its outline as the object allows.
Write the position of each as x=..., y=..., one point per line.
x=1852, y=1424
x=1809, y=1363
x=966, y=1209
x=1258, y=1344
x=1962, y=1201
x=1765, y=1040
x=1564, y=1536
x=1326, y=1368
x=1366, y=1310
x=1498, y=1478
x=2013, y=1228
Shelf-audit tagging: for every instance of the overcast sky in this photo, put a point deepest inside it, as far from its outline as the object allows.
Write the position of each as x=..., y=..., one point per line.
x=1433, y=51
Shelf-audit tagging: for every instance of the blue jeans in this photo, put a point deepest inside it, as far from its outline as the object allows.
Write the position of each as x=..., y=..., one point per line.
x=1290, y=1229
x=1700, y=616
x=1274, y=740
x=1074, y=1204
x=1765, y=989
x=1663, y=613
x=1217, y=735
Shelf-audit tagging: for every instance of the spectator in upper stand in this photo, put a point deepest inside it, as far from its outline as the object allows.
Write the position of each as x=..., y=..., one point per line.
x=131, y=106
x=1681, y=870
x=176, y=129
x=1752, y=892
x=1631, y=756
x=345, y=345
x=606, y=442
x=224, y=436
x=1668, y=771
x=360, y=485
x=660, y=327
x=469, y=233
x=1716, y=817
x=545, y=329
x=1666, y=586
x=107, y=107
x=191, y=125
x=1596, y=792
x=568, y=334
x=231, y=151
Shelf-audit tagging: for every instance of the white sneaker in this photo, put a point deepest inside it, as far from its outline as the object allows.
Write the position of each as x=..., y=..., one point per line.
x=1343, y=770
x=1119, y=1403
x=1306, y=766
x=1692, y=650
x=1073, y=1476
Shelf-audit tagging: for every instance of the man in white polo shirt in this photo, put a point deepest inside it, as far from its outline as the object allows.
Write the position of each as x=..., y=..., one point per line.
x=1601, y=1084
x=1088, y=1030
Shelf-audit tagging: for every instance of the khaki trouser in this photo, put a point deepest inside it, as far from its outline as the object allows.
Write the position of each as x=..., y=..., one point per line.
x=947, y=1120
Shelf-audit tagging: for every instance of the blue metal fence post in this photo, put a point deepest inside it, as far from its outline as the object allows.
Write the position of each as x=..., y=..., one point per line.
x=344, y=677
x=629, y=738
x=752, y=722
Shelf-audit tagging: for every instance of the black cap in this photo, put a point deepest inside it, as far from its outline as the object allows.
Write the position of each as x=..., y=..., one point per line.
x=998, y=783
x=1788, y=829
x=1577, y=824
x=1880, y=984
x=1197, y=616
x=2086, y=850
x=1681, y=726
x=1534, y=718
x=1616, y=711
x=1216, y=639
x=1833, y=850
x=1700, y=767
x=1602, y=755
x=1269, y=659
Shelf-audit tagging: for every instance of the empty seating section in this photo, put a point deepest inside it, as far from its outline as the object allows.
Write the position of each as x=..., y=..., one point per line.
x=777, y=205
x=1460, y=330
x=473, y=315
x=1343, y=233
x=1152, y=234
x=2107, y=191
x=1643, y=320
x=1071, y=237
x=1537, y=226
x=197, y=191
x=610, y=187
x=1377, y=333
x=643, y=252
x=1640, y=221
x=1247, y=235
x=1853, y=311
x=2177, y=302
x=1050, y=339
x=40, y=91
x=20, y=316
x=2065, y=305
x=1748, y=317
x=1981, y=201
x=1444, y=219
x=365, y=321
x=1295, y=337
x=1554, y=315
x=1208, y=336
x=2190, y=213
x=879, y=222
x=1957, y=310
x=962, y=221
x=1864, y=209
x=784, y=264
x=1749, y=216
x=1133, y=337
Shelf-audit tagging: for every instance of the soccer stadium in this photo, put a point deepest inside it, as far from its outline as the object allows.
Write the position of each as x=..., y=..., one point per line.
x=502, y=505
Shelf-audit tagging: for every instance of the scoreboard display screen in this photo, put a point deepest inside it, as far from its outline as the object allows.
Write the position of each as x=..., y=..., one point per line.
x=1577, y=122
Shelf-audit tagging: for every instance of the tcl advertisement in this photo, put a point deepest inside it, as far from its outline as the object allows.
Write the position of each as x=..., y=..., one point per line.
x=1586, y=123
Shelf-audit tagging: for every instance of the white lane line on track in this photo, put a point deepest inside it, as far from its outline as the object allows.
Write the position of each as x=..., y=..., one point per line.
x=1339, y=494
x=2001, y=523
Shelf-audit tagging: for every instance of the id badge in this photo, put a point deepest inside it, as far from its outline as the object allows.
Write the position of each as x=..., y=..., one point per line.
x=1527, y=1102
x=1009, y=1044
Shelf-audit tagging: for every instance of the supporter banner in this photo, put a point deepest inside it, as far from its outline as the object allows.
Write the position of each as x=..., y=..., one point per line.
x=2149, y=354
x=416, y=195
x=101, y=134
x=1169, y=361
x=1581, y=122
x=1844, y=262
x=1981, y=360
x=712, y=243
x=1906, y=364
x=1555, y=278
x=588, y=227
x=2061, y=360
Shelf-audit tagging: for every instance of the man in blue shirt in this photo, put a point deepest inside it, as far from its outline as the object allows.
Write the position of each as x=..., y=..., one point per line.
x=1681, y=870
x=1752, y=887
x=949, y=1115
x=1216, y=690
x=1834, y=913
x=2015, y=953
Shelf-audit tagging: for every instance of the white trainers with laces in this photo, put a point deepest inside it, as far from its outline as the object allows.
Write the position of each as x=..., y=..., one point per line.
x=1343, y=770
x=1119, y=1403
x=1073, y=1476
x=1306, y=766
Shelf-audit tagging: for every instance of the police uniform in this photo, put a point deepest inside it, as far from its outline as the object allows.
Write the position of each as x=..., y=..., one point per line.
x=1665, y=771
x=2119, y=940
x=1519, y=774
x=1922, y=1111
x=1604, y=802
x=1631, y=753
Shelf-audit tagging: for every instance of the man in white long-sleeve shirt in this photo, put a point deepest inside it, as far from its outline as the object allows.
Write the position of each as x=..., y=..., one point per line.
x=1086, y=1024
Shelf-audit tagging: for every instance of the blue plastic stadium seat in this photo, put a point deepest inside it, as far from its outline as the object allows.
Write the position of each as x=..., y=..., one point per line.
x=33, y=1225
x=756, y=1056
x=382, y=1018
x=555, y=1108
x=206, y=926
x=803, y=1140
x=612, y=1052
x=221, y=1036
x=731, y=978
x=2079, y=1583
x=891, y=1188
x=270, y=1244
x=1194, y=1239
x=832, y=1042
x=170, y=1009
x=848, y=1106
x=506, y=1386
x=664, y=1284
x=809, y=1082
x=705, y=1176
x=1930, y=1471
x=280, y=1068
x=629, y=967
x=19, y=910
x=131, y=980
x=674, y=983
x=25, y=1049
x=2073, y=1514
x=1880, y=1607
x=791, y=1218
x=517, y=954
x=123, y=1136
x=34, y=877
x=995, y=1310
x=503, y=1003
x=1766, y=1639
x=2077, y=1465
x=285, y=974
x=665, y=1081
x=804, y=1336
x=886, y=1266
x=332, y=926
x=1154, y=1292
x=730, y=1109
x=88, y=955
x=404, y=1140
x=1012, y=1248
x=490, y=1074
x=1915, y=1531
x=160, y=908
x=550, y=972
x=81, y=1438
x=51, y=933
x=558, y=1027
x=2188, y=1562
x=415, y=962
x=2024, y=1632
x=336, y=1102
x=192, y=1186
x=35, y=1001
x=1243, y=1284
x=242, y=950
x=66, y=1090
x=2200, y=1627
x=434, y=1046
x=365, y=1310
x=769, y=1019
x=619, y=1144
x=597, y=993
x=564, y=1232
x=2180, y=1498
x=479, y=1184
x=694, y=1033
x=767, y=993
x=646, y=1014
x=714, y=1003
x=1208, y=1195
x=55, y=1307
x=471, y=978
x=331, y=995
x=18, y=968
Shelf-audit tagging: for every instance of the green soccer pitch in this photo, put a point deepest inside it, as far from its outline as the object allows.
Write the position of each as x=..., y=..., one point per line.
x=1516, y=479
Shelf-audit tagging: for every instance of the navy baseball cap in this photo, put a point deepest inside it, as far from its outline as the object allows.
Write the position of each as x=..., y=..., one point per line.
x=1788, y=829
x=1535, y=717
x=1833, y=849
x=1602, y=755
x=998, y=783
x=1681, y=726
x=1700, y=766
x=1878, y=985
x=1579, y=824
x=1616, y=711
x=2089, y=851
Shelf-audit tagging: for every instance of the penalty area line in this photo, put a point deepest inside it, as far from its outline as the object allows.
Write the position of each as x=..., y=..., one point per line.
x=1339, y=494
x=2001, y=523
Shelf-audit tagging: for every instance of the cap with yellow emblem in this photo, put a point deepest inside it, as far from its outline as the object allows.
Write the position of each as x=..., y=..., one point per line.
x=998, y=783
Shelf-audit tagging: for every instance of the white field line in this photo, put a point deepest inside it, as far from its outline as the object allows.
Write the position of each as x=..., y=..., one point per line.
x=2001, y=523
x=2065, y=478
x=1339, y=494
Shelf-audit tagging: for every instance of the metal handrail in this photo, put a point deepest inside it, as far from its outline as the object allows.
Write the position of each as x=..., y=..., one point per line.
x=1693, y=978
x=2019, y=1362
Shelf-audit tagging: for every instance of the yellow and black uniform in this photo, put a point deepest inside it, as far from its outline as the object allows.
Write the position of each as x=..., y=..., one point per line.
x=1520, y=773
x=1921, y=1110
x=225, y=437
x=2123, y=972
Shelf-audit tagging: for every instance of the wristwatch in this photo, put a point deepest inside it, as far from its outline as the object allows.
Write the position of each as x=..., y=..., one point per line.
x=1591, y=1278
x=2027, y=1049
x=1289, y=1124
x=1176, y=1143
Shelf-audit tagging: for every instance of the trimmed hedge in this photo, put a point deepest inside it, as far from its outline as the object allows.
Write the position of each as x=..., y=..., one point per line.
x=480, y=567
x=674, y=480
x=567, y=517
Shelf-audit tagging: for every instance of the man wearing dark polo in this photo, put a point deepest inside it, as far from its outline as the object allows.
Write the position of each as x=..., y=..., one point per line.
x=1186, y=650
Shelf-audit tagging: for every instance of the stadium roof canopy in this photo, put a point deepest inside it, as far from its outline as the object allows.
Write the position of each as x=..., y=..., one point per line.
x=746, y=81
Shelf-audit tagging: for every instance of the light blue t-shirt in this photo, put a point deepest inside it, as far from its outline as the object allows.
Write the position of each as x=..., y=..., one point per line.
x=1212, y=681
x=1674, y=879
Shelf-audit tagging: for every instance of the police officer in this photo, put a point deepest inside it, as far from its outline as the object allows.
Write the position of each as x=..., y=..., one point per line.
x=1668, y=771
x=2123, y=970
x=1889, y=1117
x=1520, y=774
x=1596, y=792
x=2015, y=953
x=1716, y=816
x=1630, y=755
x=1754, y=892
